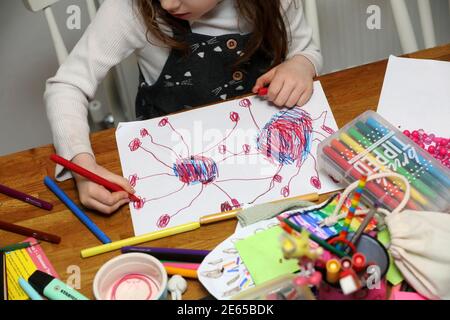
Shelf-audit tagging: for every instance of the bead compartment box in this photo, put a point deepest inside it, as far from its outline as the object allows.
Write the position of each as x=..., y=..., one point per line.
x=370, y=145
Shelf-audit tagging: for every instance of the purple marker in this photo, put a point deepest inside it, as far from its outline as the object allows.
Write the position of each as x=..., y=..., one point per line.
x=25, y=198
x=170, y=254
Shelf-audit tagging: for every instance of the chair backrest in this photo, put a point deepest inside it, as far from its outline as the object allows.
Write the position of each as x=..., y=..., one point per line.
x=310, y=8
x=46, y=7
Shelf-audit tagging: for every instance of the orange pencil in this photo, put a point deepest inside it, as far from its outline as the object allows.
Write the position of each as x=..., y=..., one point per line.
x=182, y=272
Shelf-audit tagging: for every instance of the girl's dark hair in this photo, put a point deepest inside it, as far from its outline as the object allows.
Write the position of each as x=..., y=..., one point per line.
x=269, y=29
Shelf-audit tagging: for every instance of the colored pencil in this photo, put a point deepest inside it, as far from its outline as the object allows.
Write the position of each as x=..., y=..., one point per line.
x=417, y=195
x=3, y=278
x=187, y=266
x=435, y=171
x=172, y=254
x=29, y=232
x=213, y=218
x=351, y=211
x=420, y=187
x=17, y=246
x=192, y=274
x=25, y=198
x=396, y=192
x=425, y=176
x=139, y=239
x=347, y=169
x=90, y=175
x=29, y=290
x=76, y=211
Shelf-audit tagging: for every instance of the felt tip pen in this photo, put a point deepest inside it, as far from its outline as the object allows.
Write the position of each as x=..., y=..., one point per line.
x=333, y=268
x=358, y=262
x=53, y=288
x=25, y=198
x=90, y=176
x=172, y=254
x=76, y=211
x=29, y=290
x=263, y=92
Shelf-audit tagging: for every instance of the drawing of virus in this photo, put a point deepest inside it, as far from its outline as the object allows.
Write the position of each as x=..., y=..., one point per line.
x=286, y=140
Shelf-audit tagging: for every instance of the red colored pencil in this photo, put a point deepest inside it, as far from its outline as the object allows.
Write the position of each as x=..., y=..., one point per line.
x=29, y=232
x=90, y=175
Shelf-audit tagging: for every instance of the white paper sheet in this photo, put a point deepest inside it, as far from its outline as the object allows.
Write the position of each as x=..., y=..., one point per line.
x=162, y=158
x=416, y=95
x=222, y=272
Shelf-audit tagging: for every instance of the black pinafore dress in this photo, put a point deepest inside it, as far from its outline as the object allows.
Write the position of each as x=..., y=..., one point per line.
x=203, y=76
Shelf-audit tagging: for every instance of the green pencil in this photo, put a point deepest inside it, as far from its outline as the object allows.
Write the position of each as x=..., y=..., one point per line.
x=15, y=247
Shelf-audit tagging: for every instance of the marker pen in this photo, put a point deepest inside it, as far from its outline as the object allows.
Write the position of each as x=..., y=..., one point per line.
x=29, y=290
x=53, y=288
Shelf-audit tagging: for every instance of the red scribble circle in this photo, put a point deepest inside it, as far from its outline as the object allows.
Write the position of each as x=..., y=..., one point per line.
x=236, y=203
x=285, y=192
x=245, y=103
x=135, y=144
x=163, y=221
x=163, y=122
x=133, y=180
x=144, y=133
x=327, y=129
x=315, y=181
x=246, y=148
x=222, y=149
x=277, y=178
x=225, y=207
x=234, y=116
x=139, y=204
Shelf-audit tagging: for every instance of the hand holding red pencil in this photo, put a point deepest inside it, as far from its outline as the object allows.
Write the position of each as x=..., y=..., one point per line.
x=98, y=188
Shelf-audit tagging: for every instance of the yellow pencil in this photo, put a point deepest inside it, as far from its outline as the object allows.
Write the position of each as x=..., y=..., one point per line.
x=138, y=240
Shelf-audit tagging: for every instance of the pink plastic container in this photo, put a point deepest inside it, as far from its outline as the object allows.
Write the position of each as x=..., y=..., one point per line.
x=131, y=276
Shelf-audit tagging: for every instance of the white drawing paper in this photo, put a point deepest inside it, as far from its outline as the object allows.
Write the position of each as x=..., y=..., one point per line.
x=220, y=158
x=416, y=95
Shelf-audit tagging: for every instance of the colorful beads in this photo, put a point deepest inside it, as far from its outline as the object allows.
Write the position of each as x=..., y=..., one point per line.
x=438, y=147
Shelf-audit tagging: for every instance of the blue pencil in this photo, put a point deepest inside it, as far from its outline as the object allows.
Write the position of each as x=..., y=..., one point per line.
x=77, y=211
x=29, y=290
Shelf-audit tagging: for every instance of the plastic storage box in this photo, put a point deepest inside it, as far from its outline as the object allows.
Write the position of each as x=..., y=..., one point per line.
x=370, y=145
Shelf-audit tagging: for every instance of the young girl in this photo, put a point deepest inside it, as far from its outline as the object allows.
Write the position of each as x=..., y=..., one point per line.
x=190, y=53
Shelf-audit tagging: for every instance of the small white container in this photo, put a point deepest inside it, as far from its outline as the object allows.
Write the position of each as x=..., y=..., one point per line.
x=131, y=276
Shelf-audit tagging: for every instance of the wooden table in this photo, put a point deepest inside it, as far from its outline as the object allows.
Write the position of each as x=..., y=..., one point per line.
x=349, y=92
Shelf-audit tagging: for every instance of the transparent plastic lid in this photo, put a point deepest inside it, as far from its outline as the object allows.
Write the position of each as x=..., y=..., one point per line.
x=370, y=145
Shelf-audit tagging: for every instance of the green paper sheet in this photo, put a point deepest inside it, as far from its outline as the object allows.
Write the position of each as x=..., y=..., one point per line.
x=263, y=257
x=393, y=275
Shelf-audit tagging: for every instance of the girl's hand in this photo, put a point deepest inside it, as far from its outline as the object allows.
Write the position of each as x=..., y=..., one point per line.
x=291, y=83
x=97, y=197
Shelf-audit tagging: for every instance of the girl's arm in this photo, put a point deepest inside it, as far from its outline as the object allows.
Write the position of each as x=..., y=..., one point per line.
x=114, y=34
x=291, y=83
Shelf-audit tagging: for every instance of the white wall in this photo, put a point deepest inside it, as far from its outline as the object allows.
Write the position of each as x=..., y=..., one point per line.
x=27, y=56
x=346, y=40
x=27, y=59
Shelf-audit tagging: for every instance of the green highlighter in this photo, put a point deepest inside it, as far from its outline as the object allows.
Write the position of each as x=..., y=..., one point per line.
x=53, y=288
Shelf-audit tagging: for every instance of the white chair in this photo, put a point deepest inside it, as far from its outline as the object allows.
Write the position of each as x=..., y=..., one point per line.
x=312, y=17
x=100, y=117
x=405, y=28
